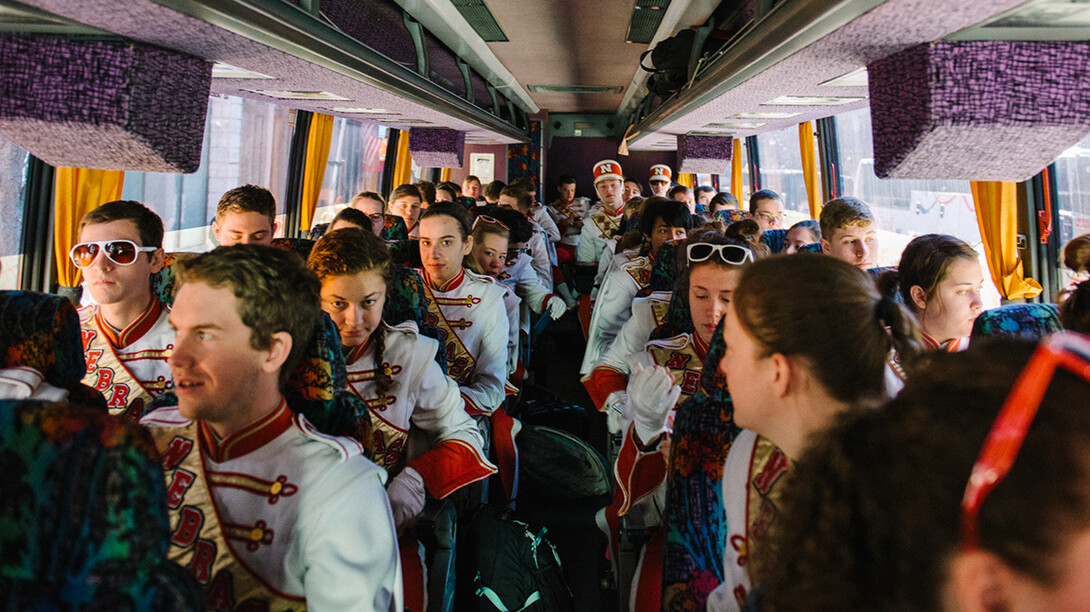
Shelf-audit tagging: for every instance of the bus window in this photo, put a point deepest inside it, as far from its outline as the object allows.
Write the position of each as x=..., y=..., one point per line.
x=724, y=179
x=1073, y=197
x=13, y=163
x=906, y=208
x=357, y=155
x=245, y=141
x=781, y=171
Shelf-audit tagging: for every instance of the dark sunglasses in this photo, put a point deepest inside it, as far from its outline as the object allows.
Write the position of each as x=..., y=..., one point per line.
x=121, y=252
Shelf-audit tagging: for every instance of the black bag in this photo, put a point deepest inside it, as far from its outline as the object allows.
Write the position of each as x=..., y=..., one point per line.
x=558, y=465
x=507, y=566
x=670, y=59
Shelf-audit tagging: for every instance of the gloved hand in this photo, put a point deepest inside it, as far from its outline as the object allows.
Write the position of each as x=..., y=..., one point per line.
x=652, y=394
x=616, y=418
x=406, y=493
x=557, y=307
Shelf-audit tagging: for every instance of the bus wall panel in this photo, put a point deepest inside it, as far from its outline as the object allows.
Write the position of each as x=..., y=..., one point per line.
x=104, y=104
x=982, y=110
x=577, y=155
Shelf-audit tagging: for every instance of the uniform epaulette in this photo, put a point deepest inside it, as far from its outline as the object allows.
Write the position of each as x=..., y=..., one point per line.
x=660, y=296
x=347, y=447
x=86, y=312
x=481, y=277
x=406, y=327
x=636, y=262
x=167, y=416
x=673, y=343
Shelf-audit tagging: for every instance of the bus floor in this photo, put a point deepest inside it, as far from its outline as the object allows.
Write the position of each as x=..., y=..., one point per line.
x=555, y=367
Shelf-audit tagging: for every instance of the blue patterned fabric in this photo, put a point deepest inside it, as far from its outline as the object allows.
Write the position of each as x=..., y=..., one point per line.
x=730, y=215
x=694, y=522
x=776, y=239
x=813, y=247
x=668, y=264
x=84, y=524
x=1022, y=321
x=393, y=229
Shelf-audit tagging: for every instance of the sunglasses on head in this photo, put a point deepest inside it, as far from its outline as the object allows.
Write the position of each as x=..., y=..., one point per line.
x=491, y=221
x=730, y=253
x=121, y=252
x=1066, y=350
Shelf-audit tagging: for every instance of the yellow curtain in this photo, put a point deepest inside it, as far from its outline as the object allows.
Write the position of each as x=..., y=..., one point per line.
x=736, y=170
x=996, y=206
x=444, y=175
x=318, y=139
x=78, y=191
x=686, y=179
x=403, y=168
x=810, y=174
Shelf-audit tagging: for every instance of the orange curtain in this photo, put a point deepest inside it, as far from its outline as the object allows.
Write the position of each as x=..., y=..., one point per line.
x=78, y=192
x=318, y=139
x=686, y=179
x=403, y=167
x=996, y=207
x=444, y=175
x=736, y=170
x=810, y=174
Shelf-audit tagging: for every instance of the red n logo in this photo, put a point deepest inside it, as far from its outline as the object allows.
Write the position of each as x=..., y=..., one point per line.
x=178, y=448
x=677, y=361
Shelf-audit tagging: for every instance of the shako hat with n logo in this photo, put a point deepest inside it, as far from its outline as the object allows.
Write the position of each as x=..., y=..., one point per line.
x=607, y=169
x=660, y=172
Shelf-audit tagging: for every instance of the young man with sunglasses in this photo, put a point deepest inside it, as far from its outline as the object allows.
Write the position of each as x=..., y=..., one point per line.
x=126, y=335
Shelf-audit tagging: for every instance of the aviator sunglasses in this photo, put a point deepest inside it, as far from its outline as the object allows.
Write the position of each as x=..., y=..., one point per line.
x=121, y=252
x=730, y=253
x=1065, y=350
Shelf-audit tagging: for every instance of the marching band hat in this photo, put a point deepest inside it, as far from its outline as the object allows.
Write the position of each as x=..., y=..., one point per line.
x=660, y=172
x=607, y=169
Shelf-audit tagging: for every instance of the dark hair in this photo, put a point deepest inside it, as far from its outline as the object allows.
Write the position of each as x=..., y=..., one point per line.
x=471, y=178
x=750, y=232
x=703, y=189
x=1075, y=308
x=680, y=299
x=148, y=224
x=676, y=189
x=672, y=213
x=275, y=293
x=723, y=198
x=844, y=212
x=829, y=313
x=348, y=252
x=368, y=195
x=452, y=210
x=353, y=216
x=565, y=179
x=451, y=185
x=446, y=187
x=762, y=194
x=492, y=190
x=629, y=179
x=427, y=190
x=871, y=515
x=403, y=191
x=523, y=183
x=247, y=198
x=926, y=261
x=1077, y=254
x=519, y=227
x=521, y=196
x=808, y=224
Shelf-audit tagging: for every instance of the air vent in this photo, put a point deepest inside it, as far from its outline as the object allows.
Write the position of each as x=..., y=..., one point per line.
x=297, y=95
x=646, y=17
x=481, y=19
x=576, y=89
x=812, y=100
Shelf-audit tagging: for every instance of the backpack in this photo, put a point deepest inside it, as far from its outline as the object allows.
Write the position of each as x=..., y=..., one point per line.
x=507, y=566
x=558, y=465
x=670, y=59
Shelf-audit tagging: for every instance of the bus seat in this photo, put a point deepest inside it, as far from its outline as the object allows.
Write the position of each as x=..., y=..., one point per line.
x=813, y=247
x=394, y=229
x=301, y=246
x=775, y=239
x=405, y=252
x=694, y=520
x=679, y=319
x=41, y=331
x=667, y=267
x=162, y=282
x=85, y=515
x=730, y=215
x=437, y=529
x=317, y=388
x=407, y=302
x=1024, y=321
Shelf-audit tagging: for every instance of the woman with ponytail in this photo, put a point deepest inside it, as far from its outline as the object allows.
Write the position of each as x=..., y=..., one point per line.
x=807, y=338
x=393, y=369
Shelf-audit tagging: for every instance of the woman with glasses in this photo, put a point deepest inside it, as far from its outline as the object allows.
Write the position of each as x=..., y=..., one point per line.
x=807, y=337
x=969, y=491
x=664, y=374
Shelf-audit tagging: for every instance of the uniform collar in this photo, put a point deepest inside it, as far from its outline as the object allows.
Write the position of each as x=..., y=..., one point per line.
x=249, y=438
x=450, y=285
x=352, y=354
x=950, y=346
x=700, y=346
x=135, y=330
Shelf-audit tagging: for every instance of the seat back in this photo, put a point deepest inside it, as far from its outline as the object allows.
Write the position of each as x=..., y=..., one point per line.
x=301, y=246
x=85, y=517
x=776, y=239
x=41, y=331
x=1023, y=321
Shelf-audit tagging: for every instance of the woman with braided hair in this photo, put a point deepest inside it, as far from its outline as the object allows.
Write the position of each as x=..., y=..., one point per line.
x=393, y=369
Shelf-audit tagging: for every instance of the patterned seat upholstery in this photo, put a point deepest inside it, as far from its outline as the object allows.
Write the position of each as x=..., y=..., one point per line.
x=668, y=264
x=301, y=246
x=85, y=521
x=41, y=331
x=1023, y=321
x=695, y=517
x=730, y=215
x=393, y=229
x=813, y=247
x=775, y=239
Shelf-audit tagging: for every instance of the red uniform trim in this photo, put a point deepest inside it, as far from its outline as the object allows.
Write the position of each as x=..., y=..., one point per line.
x=450, y=285
x=638, y=473
x=135, y=330
x=603, y=381
x=451, y=465
x=248, y=439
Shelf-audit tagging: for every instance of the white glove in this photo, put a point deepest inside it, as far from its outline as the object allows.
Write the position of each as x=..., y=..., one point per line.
x=652, y=394
x=557, y=307
x=406, y=493
x=616, y=417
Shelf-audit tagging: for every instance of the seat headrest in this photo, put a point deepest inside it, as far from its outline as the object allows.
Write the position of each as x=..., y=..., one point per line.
x=41, y=331
x=1023, y=321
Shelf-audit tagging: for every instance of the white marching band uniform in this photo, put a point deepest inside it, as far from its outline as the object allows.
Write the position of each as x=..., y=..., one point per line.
x=278, y=514
x=599, y=231
x=613, y=307
x=129, y=367
x=566, y=214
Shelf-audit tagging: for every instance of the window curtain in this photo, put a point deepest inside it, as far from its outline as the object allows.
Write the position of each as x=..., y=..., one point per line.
x=318, y=140
x=403, y=167
x=736, y=170
x=686, y=179
x=444, y=175
x=809, y=168
x=78, y=192
x=996, y=206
